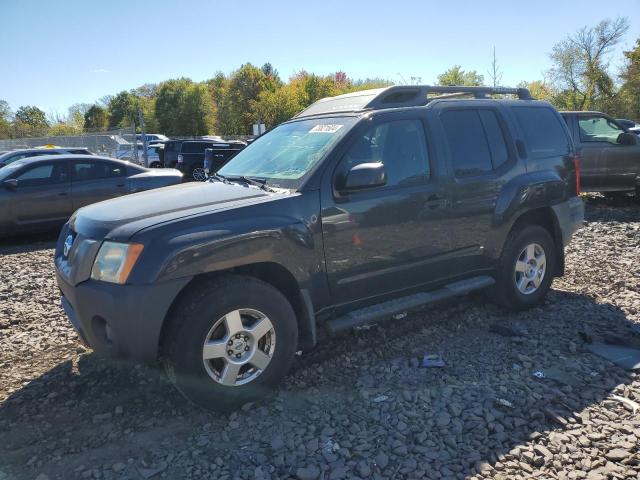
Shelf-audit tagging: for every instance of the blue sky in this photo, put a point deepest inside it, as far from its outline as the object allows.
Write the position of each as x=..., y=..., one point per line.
x=56, y=53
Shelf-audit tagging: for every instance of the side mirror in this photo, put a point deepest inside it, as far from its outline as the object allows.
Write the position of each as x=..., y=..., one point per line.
x=365, y=175
x=626, y=138
x=11, y=184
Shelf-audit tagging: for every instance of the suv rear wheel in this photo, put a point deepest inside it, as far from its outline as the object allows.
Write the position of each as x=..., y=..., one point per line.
x=526, y=267
x=230, y=341
x=198, y=174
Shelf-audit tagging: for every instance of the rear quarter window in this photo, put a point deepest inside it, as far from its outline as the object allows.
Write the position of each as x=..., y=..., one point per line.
x=543, y=131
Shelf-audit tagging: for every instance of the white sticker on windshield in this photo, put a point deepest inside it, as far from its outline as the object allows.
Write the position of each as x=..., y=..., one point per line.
x=329, y=128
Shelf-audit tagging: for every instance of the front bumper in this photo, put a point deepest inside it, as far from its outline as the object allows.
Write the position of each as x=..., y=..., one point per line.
x=119, y=320
x=570, y=215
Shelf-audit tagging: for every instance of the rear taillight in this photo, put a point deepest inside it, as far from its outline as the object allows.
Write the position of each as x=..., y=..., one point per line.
x=576, y=165
x=179, y=158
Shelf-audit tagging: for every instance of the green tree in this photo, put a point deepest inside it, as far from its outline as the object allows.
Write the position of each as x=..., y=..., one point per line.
x=540, y=90
x=96, y=119
x=183, y=108
x=457, y=76
x=234, y=114
x=123, y=110
x=580, y=66
x=30, y=121
x=630, y=90
x=5, y=120
x=32, y=116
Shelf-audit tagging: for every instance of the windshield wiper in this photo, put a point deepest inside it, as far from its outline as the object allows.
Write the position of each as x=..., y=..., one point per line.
x=257, y=182
x=219, y=178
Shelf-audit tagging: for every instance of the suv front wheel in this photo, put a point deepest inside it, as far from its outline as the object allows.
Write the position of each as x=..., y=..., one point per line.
x=231, y=341
x=526, y=268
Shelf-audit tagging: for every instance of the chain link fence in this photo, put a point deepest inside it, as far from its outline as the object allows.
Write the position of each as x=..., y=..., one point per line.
x=113, y=143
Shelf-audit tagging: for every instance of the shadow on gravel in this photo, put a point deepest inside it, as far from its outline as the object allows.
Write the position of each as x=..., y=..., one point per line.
x=28, y=243
x=359, y=402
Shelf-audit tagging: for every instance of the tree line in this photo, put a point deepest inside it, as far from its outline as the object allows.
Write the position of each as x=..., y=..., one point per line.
x=580, y=78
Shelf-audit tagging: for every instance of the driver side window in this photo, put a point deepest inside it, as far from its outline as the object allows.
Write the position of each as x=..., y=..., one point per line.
x=400, y=145
x=598, y=129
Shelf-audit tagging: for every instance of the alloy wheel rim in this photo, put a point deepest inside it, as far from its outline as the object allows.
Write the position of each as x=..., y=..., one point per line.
x=198, y=175
x=239, y=347
x=530, y=269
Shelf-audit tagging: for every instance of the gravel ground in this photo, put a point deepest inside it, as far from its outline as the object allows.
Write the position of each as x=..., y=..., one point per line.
x=359, y=406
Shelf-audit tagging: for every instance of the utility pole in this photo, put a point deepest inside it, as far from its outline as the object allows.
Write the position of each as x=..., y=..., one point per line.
x=145, y=154
x=134, y=144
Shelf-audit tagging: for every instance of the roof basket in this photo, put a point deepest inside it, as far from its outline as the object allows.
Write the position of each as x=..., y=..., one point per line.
x=403, y=96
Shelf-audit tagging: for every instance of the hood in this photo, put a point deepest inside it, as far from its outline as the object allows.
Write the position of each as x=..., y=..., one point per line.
x=120, y=218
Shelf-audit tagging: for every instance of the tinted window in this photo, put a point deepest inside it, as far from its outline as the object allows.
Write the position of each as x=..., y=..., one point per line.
x=38, y=154
x=598, y=129
x=543, y=132
x=470, y=154
x=95, y=170
x=14, y=158
x=47, y=174
x=80, y=152
x=495, y=137
x=399, y=145
x=193, y=147
x=172, y=146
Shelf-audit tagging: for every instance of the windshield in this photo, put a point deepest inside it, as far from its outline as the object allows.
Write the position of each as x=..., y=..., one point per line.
x=287, y=153
x=9, y=169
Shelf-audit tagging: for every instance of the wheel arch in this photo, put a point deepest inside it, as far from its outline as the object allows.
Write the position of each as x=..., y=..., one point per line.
x=547, y=219
x=271, y=273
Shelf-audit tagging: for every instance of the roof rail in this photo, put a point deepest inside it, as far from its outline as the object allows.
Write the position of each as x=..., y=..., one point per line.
x=403, y=96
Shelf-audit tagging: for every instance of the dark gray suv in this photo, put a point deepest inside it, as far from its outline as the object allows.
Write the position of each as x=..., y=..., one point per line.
x=362, y=206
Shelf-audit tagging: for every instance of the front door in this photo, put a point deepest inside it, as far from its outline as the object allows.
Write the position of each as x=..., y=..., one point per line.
x=390, y=237
x=606, y=165
x=42, y=197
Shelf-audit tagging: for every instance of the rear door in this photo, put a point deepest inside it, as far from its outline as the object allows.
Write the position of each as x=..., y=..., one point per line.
x=480, y=158
x=96, y=180
x=607, y=165
x=42, y=198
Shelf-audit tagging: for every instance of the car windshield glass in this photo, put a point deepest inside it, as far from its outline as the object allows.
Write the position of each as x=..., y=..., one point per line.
x=287, y=153
x=9, y=169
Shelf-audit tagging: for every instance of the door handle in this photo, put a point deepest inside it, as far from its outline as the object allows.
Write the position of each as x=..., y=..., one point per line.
x=62, y=194
x=120, y=185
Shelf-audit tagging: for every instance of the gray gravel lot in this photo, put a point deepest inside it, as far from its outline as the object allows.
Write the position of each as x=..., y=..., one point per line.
x=359, y=406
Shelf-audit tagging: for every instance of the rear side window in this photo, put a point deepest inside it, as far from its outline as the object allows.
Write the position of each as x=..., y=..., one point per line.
x=543, y=132
x=468, y=143
x=96, y=170
x=80, y=152
x=193, y=147
x=39, y=154
x=172, y=146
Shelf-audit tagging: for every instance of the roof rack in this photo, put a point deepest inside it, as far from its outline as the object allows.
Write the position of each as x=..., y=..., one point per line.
x=403, y=96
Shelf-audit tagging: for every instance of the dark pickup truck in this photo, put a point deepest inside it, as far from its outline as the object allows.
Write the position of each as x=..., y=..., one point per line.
x=362, y=206
x=609, y=153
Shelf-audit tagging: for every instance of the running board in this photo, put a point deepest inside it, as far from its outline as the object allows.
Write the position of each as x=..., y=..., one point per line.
x=398, y=305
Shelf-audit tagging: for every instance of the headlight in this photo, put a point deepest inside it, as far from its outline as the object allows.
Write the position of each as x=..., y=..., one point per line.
x=115, y=261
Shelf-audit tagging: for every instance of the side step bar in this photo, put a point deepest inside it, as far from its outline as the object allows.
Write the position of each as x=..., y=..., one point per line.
x=398, y=305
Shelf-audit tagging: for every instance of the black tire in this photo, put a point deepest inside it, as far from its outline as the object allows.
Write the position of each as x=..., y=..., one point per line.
x=196, y=173
x=191, y=322
x=505, y=292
